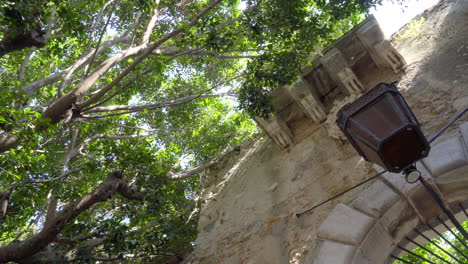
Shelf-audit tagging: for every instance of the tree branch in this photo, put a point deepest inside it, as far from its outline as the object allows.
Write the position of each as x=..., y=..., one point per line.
x=61, y=239
x=158, y=43
x=175, y=102
x=194, y=170
x=172, y=51
x=25, y=62
x=150, y=26
x=80, y=63
x=12, y=42
x=78, y=150
x=113, y=184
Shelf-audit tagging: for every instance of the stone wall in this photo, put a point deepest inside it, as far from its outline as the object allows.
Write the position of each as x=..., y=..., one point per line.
x=251, y=200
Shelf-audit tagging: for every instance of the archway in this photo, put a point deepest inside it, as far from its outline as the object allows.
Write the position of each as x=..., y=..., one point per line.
x=369, y=229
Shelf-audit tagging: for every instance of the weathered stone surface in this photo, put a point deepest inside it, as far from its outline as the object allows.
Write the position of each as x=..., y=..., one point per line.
x=260, y=190
x=376, y=199
x=208, y=217
x=329, y=252
x=397, y=180
x=446, y=156
x=399, y=220
x=377, y=245
x=391, y=57
x=464, y=135
x=336, y=225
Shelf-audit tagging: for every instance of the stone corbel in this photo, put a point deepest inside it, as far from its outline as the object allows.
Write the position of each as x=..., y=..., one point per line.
x=350, y=81
x=381, y=51
x=301, y=93
x=390, y=55
x=277, y=130
x=338, y=68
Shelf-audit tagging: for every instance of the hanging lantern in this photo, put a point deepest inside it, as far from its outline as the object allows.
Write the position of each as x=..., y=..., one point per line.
x=383, y=130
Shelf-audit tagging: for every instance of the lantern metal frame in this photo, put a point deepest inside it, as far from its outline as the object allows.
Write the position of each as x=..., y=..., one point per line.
x=391, y=95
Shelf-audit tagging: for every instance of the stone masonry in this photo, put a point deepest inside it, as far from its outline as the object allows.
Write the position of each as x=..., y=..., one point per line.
x=251, y=200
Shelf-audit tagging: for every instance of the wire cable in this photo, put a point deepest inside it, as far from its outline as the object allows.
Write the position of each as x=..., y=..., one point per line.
x=341, y=193
x=442, y=130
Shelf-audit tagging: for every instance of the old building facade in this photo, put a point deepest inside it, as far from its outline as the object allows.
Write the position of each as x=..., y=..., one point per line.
x=252, y=199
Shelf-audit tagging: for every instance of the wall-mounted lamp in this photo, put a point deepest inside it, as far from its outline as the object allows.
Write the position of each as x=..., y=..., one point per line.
x=383, y=130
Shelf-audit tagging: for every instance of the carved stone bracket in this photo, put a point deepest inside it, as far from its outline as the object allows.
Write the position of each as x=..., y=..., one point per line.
x=349, y=80
x=277, y=130
x=301, y=93
x=390, y=55
x=381, y=51
x=338, y=68
x=359, y=59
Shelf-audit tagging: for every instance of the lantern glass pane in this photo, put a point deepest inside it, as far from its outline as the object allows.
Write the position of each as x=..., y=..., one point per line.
x=403, y=148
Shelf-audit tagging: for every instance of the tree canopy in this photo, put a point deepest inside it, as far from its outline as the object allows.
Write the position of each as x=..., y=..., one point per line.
x=112, y=111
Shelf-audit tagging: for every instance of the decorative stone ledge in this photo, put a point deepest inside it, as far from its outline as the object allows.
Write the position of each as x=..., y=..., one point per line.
x=335, y=75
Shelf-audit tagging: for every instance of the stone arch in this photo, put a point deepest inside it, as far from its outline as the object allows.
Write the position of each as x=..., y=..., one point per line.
x=368, y=229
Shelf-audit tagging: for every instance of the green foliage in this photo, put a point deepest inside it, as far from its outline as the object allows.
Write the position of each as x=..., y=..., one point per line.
x=244, y=52
x=459, y=254
x=298, y=29
x=412, y=30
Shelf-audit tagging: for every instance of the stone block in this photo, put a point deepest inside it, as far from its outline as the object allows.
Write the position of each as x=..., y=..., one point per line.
x=400, y=219
x=329, y=252
x=446, y=156
x=377, y=245
x=464, y=134
x=376, y=199
x=345, y=224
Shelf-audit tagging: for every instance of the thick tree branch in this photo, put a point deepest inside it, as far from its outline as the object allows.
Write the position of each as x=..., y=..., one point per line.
x=149, y=27
x=52, y=209
x=66, y=74
x=4, y=200
x=137, y=61
x=20, y=250
x=13, y=42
